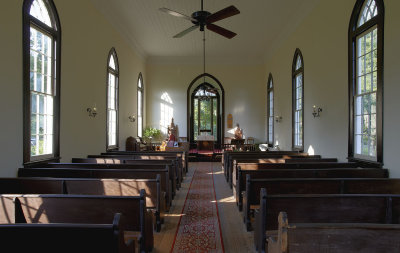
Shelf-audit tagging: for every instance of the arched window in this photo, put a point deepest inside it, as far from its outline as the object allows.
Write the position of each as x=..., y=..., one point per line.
x=206, y=109
x=366, y=80
x=270, y=110
x=298, y=101
x=140, y=91
x=112, y=100
x=41, y=85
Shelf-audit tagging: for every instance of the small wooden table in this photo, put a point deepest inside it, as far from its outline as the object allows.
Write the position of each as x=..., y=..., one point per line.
x=205, y=145
x=205, y=142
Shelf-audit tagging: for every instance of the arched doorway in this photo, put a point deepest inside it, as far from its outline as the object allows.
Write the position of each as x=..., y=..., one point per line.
x=205, y=108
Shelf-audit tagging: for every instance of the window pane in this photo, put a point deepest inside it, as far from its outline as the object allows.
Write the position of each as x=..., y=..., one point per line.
x=298, y=63
x=42, y=102
x=140, y=83
x=39, y=11
x=358, y=125
x=368, y=11
x=112, y=62
x=112, y=100
x=365, y=99
x=140, y=128
x=214, y=118
x=361, y=66
x=195, y=118
x=139, y=103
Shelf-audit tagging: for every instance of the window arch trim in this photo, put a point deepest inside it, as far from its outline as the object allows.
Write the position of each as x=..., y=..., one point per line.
x=353, y=32
x=115, y=72
x=295, y=72
x=55, y=33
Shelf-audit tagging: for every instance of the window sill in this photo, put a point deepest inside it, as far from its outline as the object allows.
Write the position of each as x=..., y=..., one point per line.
x=38, y=163
x=113, y=148
x=365, y=163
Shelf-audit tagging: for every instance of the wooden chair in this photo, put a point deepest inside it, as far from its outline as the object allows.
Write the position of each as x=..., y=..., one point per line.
x=250, y=140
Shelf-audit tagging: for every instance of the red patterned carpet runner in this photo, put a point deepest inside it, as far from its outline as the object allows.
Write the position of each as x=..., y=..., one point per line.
x=199, y=229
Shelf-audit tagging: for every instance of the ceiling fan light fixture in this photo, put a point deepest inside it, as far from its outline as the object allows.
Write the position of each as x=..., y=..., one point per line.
x=204, y=19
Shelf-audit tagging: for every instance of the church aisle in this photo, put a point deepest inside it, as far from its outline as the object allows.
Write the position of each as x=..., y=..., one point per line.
x=235, y=238
x=199, y=227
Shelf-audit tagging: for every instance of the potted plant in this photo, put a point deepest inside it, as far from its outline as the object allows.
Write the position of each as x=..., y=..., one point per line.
x=151, y=134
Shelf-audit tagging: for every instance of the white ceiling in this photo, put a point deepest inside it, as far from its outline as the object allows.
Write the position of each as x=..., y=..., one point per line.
x=261, y=26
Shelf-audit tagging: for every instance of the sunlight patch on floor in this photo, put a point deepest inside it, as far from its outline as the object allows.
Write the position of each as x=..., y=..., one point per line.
x=225, y=200
x=173, y=215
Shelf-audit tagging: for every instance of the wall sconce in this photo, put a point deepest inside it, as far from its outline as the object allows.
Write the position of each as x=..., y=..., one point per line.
x=92, y=111
x=316, y=111
x=278, y=118
x=132, y=118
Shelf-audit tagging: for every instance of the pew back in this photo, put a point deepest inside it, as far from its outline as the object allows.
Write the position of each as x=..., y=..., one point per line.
x=89, y=209
x=329, y=208
x=165, y=183
x=80, y=238
x=337, y=237
x=240, y=183
x=251, y=196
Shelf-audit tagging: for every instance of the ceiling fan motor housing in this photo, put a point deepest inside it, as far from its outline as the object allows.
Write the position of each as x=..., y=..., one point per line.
x=201, y=17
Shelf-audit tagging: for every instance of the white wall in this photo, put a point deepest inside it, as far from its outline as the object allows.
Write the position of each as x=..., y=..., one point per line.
x=87, y=38
x=323, y=40
x=244, y=93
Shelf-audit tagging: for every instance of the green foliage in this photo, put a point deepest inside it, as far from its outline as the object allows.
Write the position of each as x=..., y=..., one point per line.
x=152, y=134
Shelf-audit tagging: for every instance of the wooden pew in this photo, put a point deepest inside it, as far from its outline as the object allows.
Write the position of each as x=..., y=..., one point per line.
x=155, y=199
x=66, y=237
x=334, y=237
x=136, y=222
x=171, y=171
x=175, y=160
x=182, y=154
x=229, y=156
x=304, y=165
x=235, y=160
x=171, y=163
x=323, y=208
x=240, y=183
x=311, y=160
x=104, y=173
x=31, y=185
x=279, y=186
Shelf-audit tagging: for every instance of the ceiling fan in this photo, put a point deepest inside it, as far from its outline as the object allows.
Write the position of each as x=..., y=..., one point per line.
x=204, y=19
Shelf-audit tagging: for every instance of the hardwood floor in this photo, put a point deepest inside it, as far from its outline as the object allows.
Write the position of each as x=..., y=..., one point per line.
x=235, y=236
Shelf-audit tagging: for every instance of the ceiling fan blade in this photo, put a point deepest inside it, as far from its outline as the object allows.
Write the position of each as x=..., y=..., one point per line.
x=181, y=34
x=177, y=14
x=224, y=13
x=222, y=31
